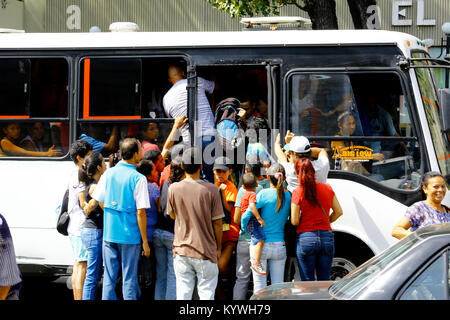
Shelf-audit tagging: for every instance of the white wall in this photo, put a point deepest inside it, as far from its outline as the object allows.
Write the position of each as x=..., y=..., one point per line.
x=34, y=15
x=11, y=17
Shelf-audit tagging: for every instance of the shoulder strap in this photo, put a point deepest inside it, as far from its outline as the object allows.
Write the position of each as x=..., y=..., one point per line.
x=328, y=218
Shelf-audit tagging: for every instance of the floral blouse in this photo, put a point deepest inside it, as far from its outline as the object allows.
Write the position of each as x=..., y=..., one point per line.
x=420, y=215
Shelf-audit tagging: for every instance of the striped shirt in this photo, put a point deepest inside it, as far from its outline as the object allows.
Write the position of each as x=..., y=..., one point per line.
x=9, y=271
x=175, y=105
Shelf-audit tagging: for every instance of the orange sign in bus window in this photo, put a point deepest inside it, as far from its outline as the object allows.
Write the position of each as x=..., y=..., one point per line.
x=358, y=153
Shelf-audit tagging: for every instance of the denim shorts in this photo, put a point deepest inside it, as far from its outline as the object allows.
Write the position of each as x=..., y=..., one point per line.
x=78, y=248
x=256, y=231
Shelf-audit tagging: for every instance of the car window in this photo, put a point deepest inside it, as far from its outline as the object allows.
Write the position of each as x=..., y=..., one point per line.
x=431, y=284
x=361, y=277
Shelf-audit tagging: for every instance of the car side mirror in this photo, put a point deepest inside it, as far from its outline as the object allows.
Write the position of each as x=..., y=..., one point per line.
x=444, y=97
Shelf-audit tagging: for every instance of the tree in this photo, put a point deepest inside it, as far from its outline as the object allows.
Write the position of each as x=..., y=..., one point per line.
x=321, y=12
x=358, y=10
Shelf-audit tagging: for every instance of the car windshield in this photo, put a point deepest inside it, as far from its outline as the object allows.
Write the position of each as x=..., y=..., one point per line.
x=363, y=275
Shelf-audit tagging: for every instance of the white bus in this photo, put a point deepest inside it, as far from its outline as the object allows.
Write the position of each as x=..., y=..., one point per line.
x=67, y=84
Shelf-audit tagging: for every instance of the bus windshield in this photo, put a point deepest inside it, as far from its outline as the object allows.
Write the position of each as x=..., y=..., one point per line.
x=427, y=84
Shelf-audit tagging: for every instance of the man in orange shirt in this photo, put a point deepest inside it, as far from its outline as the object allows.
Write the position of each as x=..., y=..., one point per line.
x=228, y=191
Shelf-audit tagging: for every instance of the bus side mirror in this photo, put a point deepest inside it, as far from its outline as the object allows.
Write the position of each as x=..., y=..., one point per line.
x=444, y=97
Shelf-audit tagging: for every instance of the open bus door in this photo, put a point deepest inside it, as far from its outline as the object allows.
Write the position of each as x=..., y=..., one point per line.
x=432, y=77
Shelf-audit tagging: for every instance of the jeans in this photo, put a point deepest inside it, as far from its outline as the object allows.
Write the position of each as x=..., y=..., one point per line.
x=243, y=271
x=187, y=269
x=125, y=256
x=315, y=252
x=92, y=240
x=273, y=256
x=208, y=156
x=165, y=285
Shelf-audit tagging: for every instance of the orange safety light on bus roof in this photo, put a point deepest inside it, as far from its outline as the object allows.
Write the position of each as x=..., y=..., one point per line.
x=86, y=96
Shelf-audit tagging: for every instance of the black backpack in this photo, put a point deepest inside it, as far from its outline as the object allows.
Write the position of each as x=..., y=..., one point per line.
x=63, y=219
x=230, y=127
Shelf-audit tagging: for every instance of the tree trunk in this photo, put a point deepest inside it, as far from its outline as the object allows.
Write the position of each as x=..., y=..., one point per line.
x=322, y=14
x=358, y=10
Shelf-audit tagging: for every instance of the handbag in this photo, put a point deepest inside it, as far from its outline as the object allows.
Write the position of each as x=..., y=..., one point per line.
x=145, y=272
x=63, y=219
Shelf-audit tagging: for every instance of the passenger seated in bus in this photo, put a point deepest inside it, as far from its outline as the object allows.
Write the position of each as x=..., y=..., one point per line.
x=376, y=121
x=149, y=133
x=92, y=133
x=304, y=111
x=159, y=157
x=9, y=144
x=34, y=141
x=347, y=124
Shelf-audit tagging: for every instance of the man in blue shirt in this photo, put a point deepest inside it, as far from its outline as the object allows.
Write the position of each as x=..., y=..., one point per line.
x=124, y=194
x=99, y=146
x=376, y=122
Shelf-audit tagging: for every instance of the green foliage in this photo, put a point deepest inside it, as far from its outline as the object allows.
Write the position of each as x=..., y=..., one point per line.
x=241, y=8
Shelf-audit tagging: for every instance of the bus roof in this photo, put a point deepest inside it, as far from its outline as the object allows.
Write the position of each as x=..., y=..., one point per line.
x=404, y=41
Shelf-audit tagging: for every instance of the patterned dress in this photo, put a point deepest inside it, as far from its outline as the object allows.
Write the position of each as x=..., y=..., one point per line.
x=9, y=271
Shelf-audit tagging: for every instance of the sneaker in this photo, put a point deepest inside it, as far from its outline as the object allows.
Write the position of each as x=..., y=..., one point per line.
x=258, y=269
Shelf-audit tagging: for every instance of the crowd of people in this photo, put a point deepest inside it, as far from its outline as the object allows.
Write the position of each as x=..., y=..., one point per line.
x=168, y=215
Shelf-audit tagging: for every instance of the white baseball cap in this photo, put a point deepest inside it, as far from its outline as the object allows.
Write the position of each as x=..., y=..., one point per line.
x=298, y=144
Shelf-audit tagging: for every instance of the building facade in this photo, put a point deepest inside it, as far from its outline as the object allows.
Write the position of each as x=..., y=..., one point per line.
x=422, y=18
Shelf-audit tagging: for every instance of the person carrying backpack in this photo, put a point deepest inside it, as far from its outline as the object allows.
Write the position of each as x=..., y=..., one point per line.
x=231, y=139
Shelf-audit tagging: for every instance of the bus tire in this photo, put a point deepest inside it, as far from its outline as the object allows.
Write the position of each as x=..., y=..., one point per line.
x=340, y=268
x=350, y=252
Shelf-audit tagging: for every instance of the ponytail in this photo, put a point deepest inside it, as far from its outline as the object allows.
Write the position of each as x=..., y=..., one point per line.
x=307, y=180
x=277, y=175
x=89, y=168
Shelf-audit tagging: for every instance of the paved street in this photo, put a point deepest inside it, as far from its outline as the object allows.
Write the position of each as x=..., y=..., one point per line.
x=37, y=289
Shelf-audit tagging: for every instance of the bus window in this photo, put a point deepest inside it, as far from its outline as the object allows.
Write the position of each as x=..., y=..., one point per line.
x=362, y=120
x=14, y=88
x=122, y=97
x=34, y=107
x=106, y=136
x=111, y=88
x=33, y=139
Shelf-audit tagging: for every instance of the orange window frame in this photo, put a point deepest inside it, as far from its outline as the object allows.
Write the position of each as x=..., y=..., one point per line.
x=86, y=96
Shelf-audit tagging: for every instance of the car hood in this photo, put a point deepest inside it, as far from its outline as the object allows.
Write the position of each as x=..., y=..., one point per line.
x=298, y=290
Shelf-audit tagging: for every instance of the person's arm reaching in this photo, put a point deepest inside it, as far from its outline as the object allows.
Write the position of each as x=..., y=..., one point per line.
x=279, y=150
x=179, y=122
x=111, y=145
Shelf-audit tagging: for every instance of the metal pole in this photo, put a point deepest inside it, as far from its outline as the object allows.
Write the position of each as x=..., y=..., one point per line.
x=447, y=53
